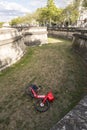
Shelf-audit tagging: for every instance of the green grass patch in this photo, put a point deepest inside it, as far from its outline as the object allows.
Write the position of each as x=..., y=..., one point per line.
x=54, y=66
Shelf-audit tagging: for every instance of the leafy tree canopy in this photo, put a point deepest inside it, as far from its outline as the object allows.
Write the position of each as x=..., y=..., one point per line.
x=85, y=3
x=1, y=24
x=52, y=14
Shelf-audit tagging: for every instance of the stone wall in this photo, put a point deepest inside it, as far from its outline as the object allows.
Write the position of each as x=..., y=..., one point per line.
x=77, y=35
x=76, y=119
x=12, y=47
x=61, y=34
x=35, y=36
x=80, y=45
x=13, y=43
x=66, y=32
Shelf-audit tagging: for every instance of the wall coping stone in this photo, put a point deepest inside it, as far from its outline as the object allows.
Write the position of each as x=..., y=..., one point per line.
x=8, y=41
x=76, y=119
x=35, y=33
x=80, y=36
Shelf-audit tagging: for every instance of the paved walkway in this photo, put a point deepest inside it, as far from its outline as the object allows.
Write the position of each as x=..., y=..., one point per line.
x=76, y=119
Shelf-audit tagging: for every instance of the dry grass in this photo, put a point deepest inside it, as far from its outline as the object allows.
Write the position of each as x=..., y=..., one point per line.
x=53, y=66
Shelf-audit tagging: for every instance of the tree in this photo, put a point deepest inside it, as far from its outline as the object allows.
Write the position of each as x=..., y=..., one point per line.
x=16, y=21
x=43, y=17
x=51, y=11
x=50, y=3
x=22, y=20
x=50, y=14
x=82, y=2
x=85, y=3
x=1, y=24
x=71, y=13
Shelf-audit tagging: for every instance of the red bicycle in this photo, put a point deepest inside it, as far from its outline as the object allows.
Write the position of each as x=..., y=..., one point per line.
x=43, y=102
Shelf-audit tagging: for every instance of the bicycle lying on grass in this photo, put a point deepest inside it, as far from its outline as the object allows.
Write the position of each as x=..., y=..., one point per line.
x=43, y=102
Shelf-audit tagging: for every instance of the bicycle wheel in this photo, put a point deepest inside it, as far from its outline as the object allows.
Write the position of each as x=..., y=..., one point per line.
x=28, y=91
x=42, y=107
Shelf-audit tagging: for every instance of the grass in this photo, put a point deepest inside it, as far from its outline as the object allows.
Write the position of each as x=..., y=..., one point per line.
x=54, y=66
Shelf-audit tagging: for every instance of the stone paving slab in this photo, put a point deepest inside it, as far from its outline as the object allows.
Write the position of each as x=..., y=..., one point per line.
x=76, y=119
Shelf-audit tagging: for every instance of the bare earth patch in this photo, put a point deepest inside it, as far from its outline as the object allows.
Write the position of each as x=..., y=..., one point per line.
x=53, y=66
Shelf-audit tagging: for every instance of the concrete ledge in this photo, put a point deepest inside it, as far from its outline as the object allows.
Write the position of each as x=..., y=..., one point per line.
x=10, y=40
x=34, y=33
x=76, y=119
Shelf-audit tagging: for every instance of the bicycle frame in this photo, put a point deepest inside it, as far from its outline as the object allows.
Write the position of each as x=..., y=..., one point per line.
x=36, y=95
x=43, y=102
x=49, y=96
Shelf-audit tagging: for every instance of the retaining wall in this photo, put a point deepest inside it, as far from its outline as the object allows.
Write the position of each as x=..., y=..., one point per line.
x=35, y=36
x=77, y=35
x=80, y=45
x=60, y=34
x=12, y=47
x=76, y=119
x=13, y=43
x=66, y=32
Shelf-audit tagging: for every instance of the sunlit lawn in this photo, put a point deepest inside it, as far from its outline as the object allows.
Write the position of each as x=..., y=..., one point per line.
x=54, y=66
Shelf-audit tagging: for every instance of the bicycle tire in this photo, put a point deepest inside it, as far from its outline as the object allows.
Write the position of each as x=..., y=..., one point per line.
x=43, y=108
